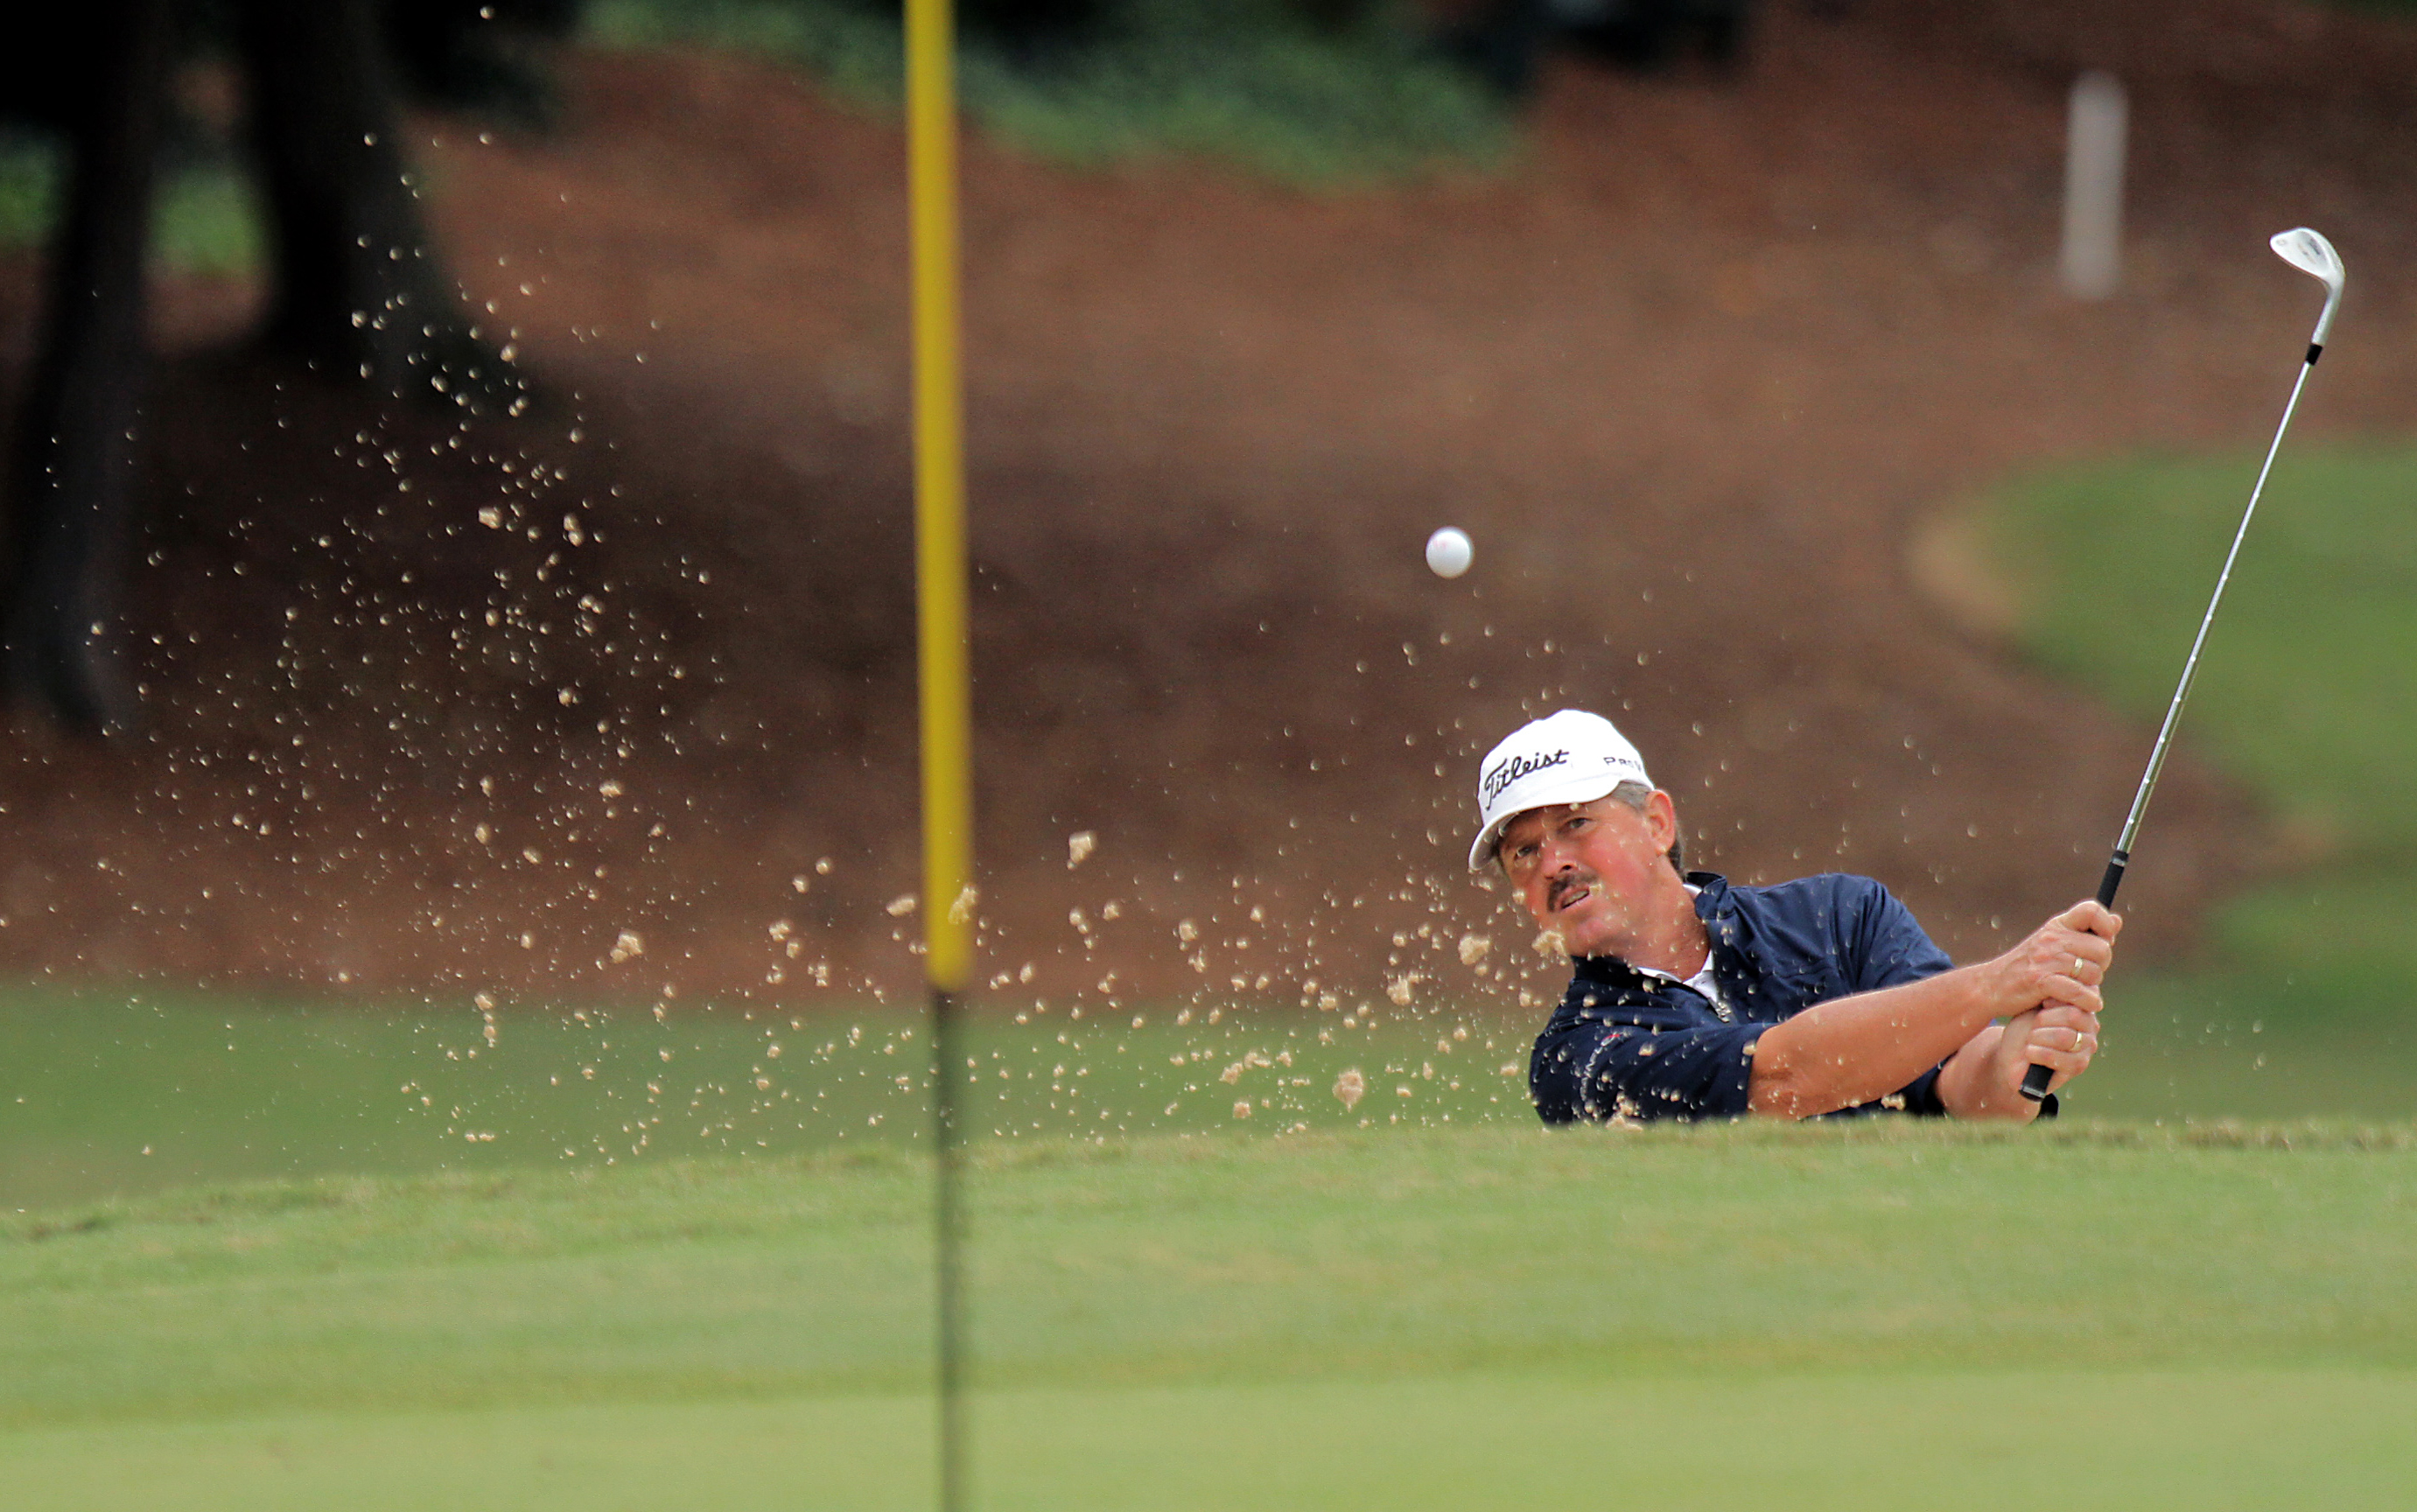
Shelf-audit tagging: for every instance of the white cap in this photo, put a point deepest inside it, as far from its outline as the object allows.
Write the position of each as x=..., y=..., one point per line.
x=1568, y=757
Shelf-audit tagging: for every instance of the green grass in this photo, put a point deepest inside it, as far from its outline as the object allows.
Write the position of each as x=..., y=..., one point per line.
x=2309, y=687
x=1245, y=82
x=1408, y=1318
x=2307, y=697
x=2114, y=1441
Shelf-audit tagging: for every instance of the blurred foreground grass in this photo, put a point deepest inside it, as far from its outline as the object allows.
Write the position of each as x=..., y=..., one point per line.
x=1818, y=1317
x=2307, y=696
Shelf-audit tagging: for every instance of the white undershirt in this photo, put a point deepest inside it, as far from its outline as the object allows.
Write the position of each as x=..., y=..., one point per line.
x=1702, y=981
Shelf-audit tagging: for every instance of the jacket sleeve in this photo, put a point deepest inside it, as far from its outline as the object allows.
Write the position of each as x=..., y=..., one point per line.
x=1893, y=949
x=1631, y=1069
x=1890, y=948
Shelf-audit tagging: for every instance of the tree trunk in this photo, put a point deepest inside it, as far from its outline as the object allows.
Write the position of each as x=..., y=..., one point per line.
x=74, y=493
x=358, y=289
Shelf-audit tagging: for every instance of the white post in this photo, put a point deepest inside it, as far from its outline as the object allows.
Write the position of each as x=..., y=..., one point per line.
x=2094, y=187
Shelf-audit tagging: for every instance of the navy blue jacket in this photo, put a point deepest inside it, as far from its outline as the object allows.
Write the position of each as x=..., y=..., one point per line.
x=1628, y=1046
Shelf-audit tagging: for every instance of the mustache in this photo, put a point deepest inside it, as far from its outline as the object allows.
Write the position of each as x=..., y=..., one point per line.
x=1566, y=884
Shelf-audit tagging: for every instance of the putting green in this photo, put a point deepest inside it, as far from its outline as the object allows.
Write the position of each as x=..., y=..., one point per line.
x=2208, y=1439
x=1876, y=1317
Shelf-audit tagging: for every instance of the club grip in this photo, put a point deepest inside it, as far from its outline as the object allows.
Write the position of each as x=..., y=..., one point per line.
x=2035, y=1080
x=2113, y=879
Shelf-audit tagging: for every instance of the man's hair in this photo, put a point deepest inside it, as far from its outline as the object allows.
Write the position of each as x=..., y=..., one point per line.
x=1635, y=795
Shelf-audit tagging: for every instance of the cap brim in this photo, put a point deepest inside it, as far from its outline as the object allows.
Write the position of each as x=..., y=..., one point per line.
x=1577, y=790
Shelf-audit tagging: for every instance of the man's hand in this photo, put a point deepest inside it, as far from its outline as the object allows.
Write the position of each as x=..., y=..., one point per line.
x=2047, y=988
x=1984, y=1079
x=2062, y=963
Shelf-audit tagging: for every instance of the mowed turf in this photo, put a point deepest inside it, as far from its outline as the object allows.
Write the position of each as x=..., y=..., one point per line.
x=1866, y=1317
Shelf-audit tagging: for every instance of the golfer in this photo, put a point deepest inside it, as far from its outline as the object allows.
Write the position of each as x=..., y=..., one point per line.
x=1692, y=999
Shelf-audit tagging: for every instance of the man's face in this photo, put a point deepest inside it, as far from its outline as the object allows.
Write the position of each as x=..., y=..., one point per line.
x=1588, y=871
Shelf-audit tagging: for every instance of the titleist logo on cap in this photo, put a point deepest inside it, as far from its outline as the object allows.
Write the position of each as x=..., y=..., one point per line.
x=1511, y=769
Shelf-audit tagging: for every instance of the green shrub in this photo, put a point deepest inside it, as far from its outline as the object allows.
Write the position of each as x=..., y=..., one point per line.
x=1255, y=82
x=204, y=219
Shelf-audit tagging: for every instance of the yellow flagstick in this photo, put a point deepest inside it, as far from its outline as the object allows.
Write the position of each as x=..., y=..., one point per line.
x=943, y=658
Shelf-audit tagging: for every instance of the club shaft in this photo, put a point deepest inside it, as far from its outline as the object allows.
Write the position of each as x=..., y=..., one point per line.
x=2199, y=642
x=2036, y=1079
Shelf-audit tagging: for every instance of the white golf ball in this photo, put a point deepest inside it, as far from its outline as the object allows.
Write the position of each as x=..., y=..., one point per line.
x=1449, y=552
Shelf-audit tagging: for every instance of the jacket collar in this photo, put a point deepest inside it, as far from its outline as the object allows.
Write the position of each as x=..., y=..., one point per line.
x=1717, y=907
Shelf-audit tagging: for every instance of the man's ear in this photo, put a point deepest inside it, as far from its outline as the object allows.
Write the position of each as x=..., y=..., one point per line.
x=1662, y=820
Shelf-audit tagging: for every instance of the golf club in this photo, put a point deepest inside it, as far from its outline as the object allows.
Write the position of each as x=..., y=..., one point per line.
x=2310, y=254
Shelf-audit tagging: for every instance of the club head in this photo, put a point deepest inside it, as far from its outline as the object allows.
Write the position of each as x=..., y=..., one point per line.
x=2308, y=252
